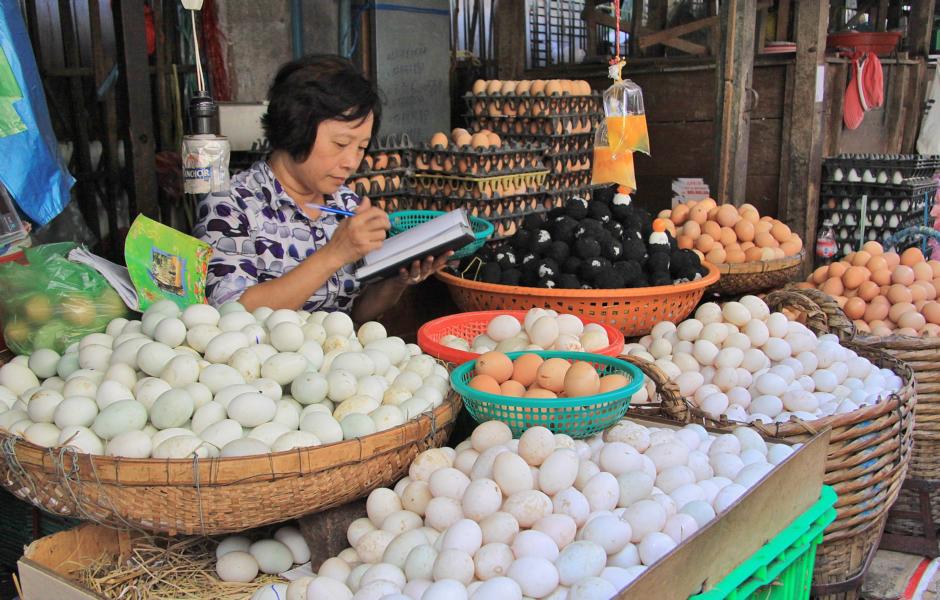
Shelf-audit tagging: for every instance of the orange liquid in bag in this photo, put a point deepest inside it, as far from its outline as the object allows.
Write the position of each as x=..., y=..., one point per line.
x=628, y=133
x=613, y=167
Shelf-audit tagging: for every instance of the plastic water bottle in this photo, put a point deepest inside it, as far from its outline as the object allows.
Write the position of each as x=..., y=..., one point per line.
x=826, y=246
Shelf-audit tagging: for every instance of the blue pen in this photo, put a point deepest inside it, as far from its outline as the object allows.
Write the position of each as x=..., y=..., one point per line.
x=332, y=210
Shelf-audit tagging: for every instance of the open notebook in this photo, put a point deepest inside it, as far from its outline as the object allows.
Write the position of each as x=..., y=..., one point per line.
x=449, y=231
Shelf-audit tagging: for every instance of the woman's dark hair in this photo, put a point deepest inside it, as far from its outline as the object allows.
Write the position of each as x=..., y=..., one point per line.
x=313, y=89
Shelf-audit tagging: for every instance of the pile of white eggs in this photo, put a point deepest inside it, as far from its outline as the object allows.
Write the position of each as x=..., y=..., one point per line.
x=542, y=516
x=741, y=361
x=239, y=559
x=540, y=330
x=224, y=382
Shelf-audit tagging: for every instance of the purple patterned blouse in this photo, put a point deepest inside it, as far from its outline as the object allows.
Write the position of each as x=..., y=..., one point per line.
x=259, y=233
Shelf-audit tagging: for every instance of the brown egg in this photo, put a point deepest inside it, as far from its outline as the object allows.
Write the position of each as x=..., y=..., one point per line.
x=922, y=272
x=732, y=246
x=911, y=257
x=511, y=388
x=930, y=292
x=819, y=275
x=837, y=269
x=765, y=240
x=692, y=229
x=746, y=245
x=768, y=253
x=917, y=294
x=523, y=87
x=935, y=267
x=862, y=326
x=840, y=300
x=613, y=382
x=751, y=216
x=899, y=309
x=735, y=256
x=903, y=275
x=485, y=383
x=931, y=312
x=762, y=227
x=537, y=87
x=554, y=88
x=892, y=258
x=859, y=258
x=868, y=290
x=716, y=255
x=898, y=294
x=551, y=374
x=805, y=285
x=480, y=140
x=907, y=331
x=753, y=254
x=704, y=243
x=728, y=215
x=744, y=229
x=712, y=228
x=780, y=231
x=539, y=393
x=713, y=214
x=508, y=87
x=479, y=86
x=790, y=247
x=495, y=364
x=919, y=305
x=854, y=277
x=685, y=242
x=680, y=214
x=699, y=214
x=913, y=320
x=877, y=309
x=833, y=287
x=493, y=86
x=855, y=308
x=581, y=379
x=463, y=139
x=727, y=236
x=881, y=276
x=876, y=263
x=708, y=203
x=873, y=248
x=525, y=368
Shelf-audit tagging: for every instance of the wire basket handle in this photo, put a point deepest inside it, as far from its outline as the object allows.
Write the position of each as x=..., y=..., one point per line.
x=822, y=312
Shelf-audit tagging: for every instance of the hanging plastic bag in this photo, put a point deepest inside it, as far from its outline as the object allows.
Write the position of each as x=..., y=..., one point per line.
x=610, y=166
x=52, y=302
x=623, y=132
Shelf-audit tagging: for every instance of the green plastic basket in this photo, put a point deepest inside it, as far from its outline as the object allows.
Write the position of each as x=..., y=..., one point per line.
x=577, y=417
x=783, y=568
x=406, y=219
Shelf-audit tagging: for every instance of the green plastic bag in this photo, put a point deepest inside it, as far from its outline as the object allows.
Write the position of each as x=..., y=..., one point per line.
x=52, y=302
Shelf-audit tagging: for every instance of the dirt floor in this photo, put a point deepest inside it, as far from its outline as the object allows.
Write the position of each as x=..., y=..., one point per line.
x=897, y=576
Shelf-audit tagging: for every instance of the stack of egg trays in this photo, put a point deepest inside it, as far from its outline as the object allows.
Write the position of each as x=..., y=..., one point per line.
x=884, y=167
x=577, y=123
x=480, y=189
x=386, y=174
x=861, y=212
x=513, y=157
x=506, y=214
x=512, y=105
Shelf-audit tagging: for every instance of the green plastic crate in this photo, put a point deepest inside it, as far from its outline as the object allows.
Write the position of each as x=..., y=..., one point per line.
x=406, y=219
x=783, y=568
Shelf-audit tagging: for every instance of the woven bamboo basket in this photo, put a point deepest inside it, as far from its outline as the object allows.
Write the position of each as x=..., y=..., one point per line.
x=756, y=276
x=218, y=495
x=923, y=356
x=869, y=452
x=633, y=311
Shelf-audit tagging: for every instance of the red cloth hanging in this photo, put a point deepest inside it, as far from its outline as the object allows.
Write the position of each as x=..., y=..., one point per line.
x=865, y=90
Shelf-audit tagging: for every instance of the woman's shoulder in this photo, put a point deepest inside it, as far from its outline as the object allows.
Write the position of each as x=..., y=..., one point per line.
x=253, y=188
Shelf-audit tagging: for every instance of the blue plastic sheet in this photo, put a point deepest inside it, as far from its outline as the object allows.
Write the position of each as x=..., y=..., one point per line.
x=30, y=166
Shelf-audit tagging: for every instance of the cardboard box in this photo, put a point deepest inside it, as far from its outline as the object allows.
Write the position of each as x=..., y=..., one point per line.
x=698, y=564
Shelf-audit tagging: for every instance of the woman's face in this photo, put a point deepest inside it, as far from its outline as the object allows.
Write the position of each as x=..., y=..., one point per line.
x=336, y=154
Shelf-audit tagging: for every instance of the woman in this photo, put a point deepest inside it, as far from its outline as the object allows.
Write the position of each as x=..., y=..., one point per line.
x=272, y=245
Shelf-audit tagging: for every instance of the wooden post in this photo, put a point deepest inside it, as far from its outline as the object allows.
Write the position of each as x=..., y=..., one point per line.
x=131, y=44
x=920, y=27
x=802, y=139
x=510, y=26
x=732, y=123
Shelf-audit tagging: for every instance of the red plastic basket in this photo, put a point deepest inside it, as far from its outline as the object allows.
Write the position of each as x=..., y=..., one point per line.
x=468, y=325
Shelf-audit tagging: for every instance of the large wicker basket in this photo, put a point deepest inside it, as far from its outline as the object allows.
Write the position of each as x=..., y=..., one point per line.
x=633, y=311
x=756, y=276
x=219, y=495
x=923, y=356
x=869, y=451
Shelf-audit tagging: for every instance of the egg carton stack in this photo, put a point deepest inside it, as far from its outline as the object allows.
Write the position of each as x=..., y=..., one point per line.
x=500, y=181
x=386, y=175
x=863, y=211
x=879, y=168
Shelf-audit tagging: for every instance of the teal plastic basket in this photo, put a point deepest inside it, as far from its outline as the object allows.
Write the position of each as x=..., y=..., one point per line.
x=406, y=219
x=783, y=568
x=577, y=417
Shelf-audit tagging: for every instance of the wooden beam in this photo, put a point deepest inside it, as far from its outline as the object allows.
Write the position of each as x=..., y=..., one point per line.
x=920, y=27
x=509, y=22
x=799, y=207
x=660, y=37
x=783, y=21
x=131, y=47
x=734, y=76
x=687, y=46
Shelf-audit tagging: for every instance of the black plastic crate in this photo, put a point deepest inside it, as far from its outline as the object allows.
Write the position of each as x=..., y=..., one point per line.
x=516, y=105
x=512, y=157
x=548, y=125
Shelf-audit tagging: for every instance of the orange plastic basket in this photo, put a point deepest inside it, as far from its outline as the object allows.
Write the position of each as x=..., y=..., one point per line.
x=633, y=311
x=468, y=325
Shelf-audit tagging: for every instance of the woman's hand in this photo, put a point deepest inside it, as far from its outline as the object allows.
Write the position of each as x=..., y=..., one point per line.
x=359, y=235
x=422, y=269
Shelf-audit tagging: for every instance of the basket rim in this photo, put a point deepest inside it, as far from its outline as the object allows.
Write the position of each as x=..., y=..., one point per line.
x=761, y=266
x=438, y=350
x=488, y=228
x=632, y=293
x=636, y=382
